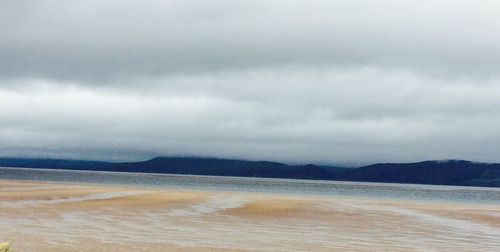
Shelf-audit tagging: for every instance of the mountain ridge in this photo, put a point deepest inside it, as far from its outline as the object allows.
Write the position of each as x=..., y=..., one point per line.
x=436, y=172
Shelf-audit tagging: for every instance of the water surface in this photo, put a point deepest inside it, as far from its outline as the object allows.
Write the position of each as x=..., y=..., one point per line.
x=264, y=185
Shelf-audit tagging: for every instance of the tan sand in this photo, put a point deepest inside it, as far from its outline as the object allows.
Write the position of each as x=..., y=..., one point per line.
x=38, y=216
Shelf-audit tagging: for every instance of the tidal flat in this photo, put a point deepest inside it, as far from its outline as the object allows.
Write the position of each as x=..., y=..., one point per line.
x=66, y=216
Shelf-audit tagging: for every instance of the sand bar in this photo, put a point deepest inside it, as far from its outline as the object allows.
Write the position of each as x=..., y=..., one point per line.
x=48, y=216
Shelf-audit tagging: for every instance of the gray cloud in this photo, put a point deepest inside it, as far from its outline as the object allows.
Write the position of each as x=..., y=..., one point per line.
x=296, y=81
x=98, y=40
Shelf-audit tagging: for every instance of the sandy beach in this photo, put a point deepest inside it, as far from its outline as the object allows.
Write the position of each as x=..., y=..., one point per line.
x=43, y=216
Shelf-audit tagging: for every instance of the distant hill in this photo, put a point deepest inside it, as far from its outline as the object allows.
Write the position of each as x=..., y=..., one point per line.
x=453, y=172
x=228, y=167
x=181, y=165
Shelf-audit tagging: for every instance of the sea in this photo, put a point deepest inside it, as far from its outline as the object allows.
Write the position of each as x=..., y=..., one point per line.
x=318, y=188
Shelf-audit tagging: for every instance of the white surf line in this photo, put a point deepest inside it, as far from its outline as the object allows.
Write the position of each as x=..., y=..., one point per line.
x=89, y=197
x=212, y=205
x=15, y=189
x=435, y=219
x=449, y=222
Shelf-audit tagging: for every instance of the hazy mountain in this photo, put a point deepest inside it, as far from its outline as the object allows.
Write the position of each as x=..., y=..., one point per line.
x=452, y=172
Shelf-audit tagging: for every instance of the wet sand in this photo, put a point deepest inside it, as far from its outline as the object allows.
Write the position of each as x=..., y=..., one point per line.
x=40, y=216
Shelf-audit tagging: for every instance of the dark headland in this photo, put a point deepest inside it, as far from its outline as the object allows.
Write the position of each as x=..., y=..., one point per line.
x=449, y=172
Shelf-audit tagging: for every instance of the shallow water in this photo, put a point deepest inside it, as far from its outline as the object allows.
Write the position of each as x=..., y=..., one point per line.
x=264, y=185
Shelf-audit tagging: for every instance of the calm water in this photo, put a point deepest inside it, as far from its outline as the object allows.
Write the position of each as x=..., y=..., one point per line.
x=280, y=186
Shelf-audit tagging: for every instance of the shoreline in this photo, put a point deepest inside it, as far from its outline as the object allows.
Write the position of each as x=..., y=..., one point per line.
x=290, y=187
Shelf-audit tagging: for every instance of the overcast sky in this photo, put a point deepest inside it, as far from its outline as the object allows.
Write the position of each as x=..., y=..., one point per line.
x=322, y=81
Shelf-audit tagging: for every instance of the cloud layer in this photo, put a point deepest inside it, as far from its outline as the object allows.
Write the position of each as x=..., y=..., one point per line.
x=295, y=81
